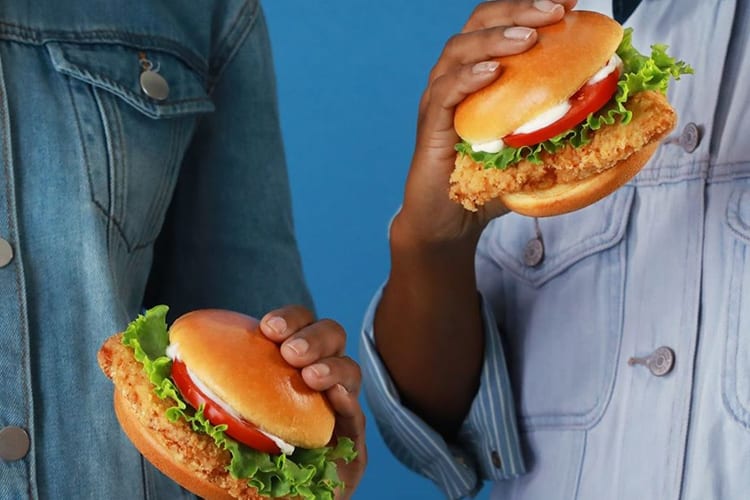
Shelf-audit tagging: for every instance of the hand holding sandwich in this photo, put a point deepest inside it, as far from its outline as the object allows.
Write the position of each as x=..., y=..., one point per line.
x=549, y=111
x=466, y=65
x=431, y=290
x=214, y=403
x=318, y=349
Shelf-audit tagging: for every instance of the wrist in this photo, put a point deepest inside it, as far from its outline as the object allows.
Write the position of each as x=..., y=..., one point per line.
x=410, y=235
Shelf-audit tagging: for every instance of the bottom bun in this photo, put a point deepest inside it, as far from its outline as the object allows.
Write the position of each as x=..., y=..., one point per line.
x=563, y=198
x=160, y=456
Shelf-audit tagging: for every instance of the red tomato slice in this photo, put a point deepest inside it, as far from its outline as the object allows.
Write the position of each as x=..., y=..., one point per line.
x=588, y=99
x=244, y=432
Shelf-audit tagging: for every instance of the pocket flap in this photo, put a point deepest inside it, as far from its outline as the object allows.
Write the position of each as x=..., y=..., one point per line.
x=567, y=238
x=117, y=69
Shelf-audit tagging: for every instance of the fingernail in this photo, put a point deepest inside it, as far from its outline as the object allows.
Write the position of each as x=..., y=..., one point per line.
x=547, y=6
x=277, y=324
x=518, y=33
x=320, y=369
x=298, y=346
x=485, y=67
x=342, y=389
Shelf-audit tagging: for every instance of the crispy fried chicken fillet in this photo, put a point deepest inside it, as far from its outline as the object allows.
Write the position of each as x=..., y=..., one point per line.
x=653, y=118
x=204, y=463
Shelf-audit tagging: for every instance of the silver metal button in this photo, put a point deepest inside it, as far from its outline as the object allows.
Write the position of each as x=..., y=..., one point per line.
x=14, y=443
x=660, y=362
x=690, y=137
x=533, y=254
x=6, y=253
x=154, y=85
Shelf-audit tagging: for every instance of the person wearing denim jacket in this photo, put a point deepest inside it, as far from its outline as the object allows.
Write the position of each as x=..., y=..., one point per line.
x=142, y=163
x=600, y=354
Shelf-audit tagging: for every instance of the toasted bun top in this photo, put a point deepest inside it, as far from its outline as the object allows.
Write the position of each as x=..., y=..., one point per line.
x=228, y=354
x=565, y=56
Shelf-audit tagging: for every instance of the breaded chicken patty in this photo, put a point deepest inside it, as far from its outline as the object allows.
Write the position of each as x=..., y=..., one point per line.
x=653, y=118
x=197, y=451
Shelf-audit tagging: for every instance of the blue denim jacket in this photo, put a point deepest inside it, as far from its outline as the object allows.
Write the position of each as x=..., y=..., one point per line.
x=112, y=200
x=664, y=262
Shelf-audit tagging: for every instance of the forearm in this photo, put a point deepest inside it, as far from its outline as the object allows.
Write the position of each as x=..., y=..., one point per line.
x=428, y=328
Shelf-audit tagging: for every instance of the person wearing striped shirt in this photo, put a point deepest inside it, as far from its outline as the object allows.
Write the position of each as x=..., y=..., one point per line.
x=613, y=362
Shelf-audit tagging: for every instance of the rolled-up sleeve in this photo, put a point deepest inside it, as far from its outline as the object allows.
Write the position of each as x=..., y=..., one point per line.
x=488, y=446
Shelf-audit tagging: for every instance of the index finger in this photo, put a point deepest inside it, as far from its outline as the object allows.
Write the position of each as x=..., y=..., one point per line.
x=524, y=13
x=280, y=324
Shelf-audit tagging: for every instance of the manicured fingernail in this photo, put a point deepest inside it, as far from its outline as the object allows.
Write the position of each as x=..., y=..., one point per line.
x=298, y=346
x=485, y=67
x=547, y=6
x=277, y=324
x=518, y=33
x=320, y=369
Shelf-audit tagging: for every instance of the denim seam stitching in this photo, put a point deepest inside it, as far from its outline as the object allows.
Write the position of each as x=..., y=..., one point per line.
x=12, y=236
x=161, y=200
x=29, y=35
x=106, y=83
x=109, y=216
x=226, y=51
x=736, y=409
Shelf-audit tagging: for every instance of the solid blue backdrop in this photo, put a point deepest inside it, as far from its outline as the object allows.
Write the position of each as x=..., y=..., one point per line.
x=350, y=75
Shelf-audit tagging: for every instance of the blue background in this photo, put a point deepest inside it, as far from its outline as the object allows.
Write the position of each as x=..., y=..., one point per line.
x=350, y=75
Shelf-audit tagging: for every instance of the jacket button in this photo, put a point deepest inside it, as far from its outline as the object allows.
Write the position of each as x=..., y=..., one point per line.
x=690, y=137
x=660, y=362
x=154, y=85
x=6, y=253
x=14, y=443
x=533, y=254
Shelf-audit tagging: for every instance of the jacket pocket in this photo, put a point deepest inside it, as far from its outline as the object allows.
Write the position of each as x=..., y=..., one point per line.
x=133, y=144
x=561, y=318
x=736, y=373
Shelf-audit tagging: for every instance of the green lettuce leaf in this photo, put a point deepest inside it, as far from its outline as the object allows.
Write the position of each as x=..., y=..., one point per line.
x=308, y=473
x=639, y=73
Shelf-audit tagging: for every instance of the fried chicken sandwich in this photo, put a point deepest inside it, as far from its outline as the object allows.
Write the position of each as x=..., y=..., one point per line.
x=568, y=121
x=213, y=405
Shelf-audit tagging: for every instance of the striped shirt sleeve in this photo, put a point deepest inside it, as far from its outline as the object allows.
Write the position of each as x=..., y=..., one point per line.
x=489, y=446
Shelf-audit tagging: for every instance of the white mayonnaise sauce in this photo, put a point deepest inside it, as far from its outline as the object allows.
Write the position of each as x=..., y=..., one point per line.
x=544, y=119
x=551, y=115
x=488, y=147
x=613, y=63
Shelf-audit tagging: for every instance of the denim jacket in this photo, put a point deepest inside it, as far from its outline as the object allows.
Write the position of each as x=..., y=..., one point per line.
x=115, y=196
x=618, y=361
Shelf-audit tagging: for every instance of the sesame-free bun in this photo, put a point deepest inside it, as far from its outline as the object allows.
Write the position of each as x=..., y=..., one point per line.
x=228, y=354
x=565, y=56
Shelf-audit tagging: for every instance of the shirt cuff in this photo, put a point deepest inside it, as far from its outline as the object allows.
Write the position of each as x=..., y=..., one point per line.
x=489, y=445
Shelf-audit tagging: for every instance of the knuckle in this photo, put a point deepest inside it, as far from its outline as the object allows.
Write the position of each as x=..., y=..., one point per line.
x=479, y=11
x=438, y=90
x=302, y=311
x=334, y=327
x=434, y=73
x=355, y=369
x=452, y=44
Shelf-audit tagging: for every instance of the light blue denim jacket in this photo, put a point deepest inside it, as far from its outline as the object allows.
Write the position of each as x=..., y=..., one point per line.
x=565, y=410
x=98, y=183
